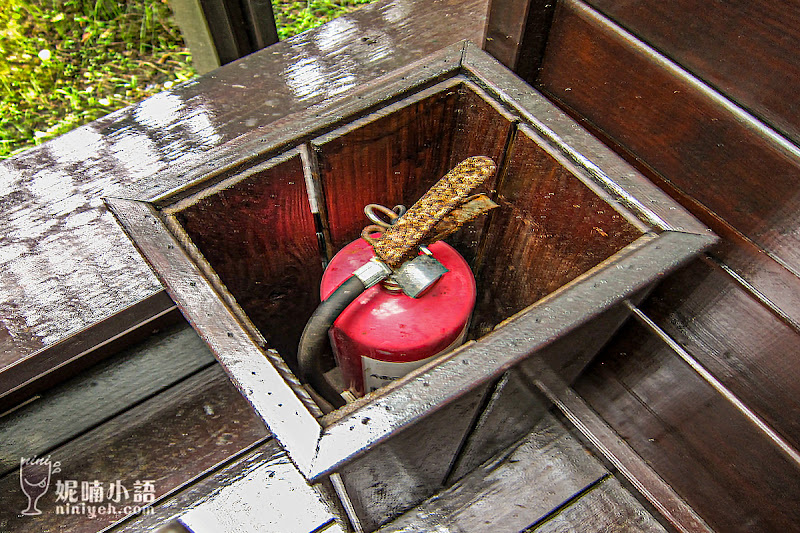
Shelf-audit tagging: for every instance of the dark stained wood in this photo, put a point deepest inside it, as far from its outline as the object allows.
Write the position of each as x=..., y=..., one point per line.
x=84, y=348
x=66, y=264
x=766, y=279
x=257, y=232
x=605, y=507
x=549, y=229
x=719, y=164
x=511, y=412
x=285, y=502
x=513, y=408
x=516, y=33
x=513, y=490
x=605, y=442
x=751, y=351
x=97, y=394
x=482, y=128
x=715, y=458
x=746, y=50
x=391, y=157
x=410, y=466
x=169, y=439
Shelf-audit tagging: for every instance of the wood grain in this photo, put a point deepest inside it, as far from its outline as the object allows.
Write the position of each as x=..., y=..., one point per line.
x=168, y=439
x=78, y=405
x=482, y=128
x=411, y=465
x=258, y=234
x=390, y=157
x=549, y=229
x=725, y=165
x=699, y=443
x=501, y=495
x=746, y=50
x=605, y=507
x=736, y=338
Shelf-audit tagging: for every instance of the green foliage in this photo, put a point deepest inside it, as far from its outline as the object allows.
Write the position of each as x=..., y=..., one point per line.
x=292, y=18
x=64, y=63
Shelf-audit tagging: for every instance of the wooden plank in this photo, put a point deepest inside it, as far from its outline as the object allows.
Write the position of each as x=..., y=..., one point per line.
x=502, y=495
x=411, y=465
x=704, y=310
x=390, y=157
x=514, y=408
x=516, y=33
x=713, y=456
x=511, y=412
x=265, y=495
x=760, y=72
x=257, y=232
x=65, y=262
x=281, y=490
x=549, y=229
x=101, y=393
x=50, y=365
x=605, y=507
x=169, y=439
x=703, y=146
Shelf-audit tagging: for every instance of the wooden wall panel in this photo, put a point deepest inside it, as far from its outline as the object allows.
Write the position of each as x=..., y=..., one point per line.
x=259, y=236
x=694, y=438
x=747, y=50
x=549, y=229
x=724, y=168
x=391, y=157
x=482, y=128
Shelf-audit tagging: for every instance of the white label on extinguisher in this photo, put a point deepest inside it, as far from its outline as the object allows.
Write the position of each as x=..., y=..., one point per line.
x=380, y=373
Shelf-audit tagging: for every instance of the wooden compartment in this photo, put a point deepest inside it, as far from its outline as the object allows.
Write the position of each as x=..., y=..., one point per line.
x=240, y=244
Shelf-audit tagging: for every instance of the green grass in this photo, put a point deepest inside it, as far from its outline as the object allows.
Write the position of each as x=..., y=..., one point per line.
x=292, y=18
x=64, y=63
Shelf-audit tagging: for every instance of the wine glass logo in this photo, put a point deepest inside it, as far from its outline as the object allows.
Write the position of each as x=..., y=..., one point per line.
x=34, y=480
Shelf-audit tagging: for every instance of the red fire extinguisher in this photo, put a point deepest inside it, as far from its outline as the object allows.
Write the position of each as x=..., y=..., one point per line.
x=397, y=297
x=385, y=334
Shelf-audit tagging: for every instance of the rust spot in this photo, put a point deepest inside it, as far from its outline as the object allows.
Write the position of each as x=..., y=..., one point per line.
x=399, y=242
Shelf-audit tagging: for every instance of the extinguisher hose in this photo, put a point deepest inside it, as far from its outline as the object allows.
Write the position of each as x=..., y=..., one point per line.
x=314, y=340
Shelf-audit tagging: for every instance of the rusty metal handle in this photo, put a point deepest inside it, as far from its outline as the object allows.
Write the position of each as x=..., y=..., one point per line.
x=400, y=241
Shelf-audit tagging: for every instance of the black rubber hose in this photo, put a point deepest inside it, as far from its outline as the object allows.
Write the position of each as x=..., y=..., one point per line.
x=315, y=338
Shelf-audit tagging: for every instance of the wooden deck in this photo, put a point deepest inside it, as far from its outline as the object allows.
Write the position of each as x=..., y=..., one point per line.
x=702, y=387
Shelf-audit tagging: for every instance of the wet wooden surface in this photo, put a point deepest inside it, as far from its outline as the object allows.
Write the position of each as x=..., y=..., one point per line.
x=746, y=50
x=169, y=439
x=482, y=128
x=734, y=312
x=713, y=456
x=65, y=262
x=389, y=158
x=412, y=465
x=605, y=507
x=96, y=395
x=729, y=172
x=546, y=478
